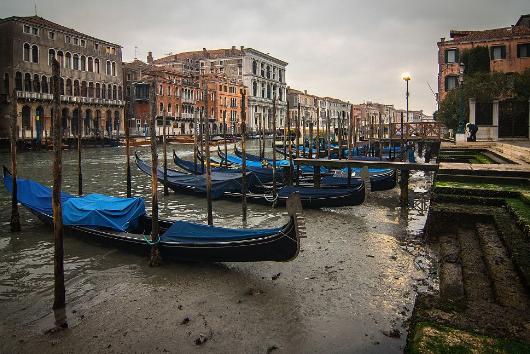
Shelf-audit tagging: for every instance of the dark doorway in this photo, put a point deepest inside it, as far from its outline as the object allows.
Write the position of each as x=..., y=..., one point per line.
x=513, y=119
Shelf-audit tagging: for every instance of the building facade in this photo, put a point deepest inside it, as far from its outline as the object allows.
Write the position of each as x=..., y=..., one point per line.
x=509, y=50
x=262, y=74
x=91, y=83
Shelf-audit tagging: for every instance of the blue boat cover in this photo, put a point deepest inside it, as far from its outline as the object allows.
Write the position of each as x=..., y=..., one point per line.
x=34, y=195
x=264, y=174
x=93, y=210
x=221, y=182
x=279, y=163
x=182, y=231
x=97, y=210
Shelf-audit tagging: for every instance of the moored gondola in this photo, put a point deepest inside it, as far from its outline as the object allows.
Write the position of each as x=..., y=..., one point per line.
x=179, y=241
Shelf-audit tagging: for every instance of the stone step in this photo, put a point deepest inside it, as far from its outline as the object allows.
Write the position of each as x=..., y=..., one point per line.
x=509, y=291
x=451, y=281
x=477, y=283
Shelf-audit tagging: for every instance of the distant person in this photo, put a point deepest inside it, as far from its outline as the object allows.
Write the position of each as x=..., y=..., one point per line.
x=472, y=131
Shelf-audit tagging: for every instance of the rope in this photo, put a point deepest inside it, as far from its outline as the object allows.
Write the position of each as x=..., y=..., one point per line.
x=270, y=200
x=149, y=242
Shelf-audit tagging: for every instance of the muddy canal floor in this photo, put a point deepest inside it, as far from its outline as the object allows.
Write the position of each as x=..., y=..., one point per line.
x=351, y=290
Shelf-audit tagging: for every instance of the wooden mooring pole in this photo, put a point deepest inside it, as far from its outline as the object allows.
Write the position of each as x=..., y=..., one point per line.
x=79, y=170
x=244, y=155
x=404, y=185
x=274, y=150
x=155, y=251
x=207, y=157
x=128, y=149
x=58, y=264
x=164, y=147
x=15, y=216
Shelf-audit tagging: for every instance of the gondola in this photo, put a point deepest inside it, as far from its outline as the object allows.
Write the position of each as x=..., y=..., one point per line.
x=179, y=240
x=226, y=189
x=264, y=174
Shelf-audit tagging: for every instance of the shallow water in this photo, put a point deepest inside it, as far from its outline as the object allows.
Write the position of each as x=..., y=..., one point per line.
x=355, y=280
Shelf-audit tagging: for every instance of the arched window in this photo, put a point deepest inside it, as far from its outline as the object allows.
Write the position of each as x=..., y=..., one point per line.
x=108, y=70
x=75, y=65
x=280, y=75
x=91, y=89
x=113, y=68
x=61, y=89
x=44, y=84
x=68, y=60
x=83, y=89
x=82, y=61
x=254, y=88
x=103, y=91
x=255, y=67
x=98, y=90
x=96, y=66
x=90, y=64
x=269, y=91
x=35, y=54
x=51, y=55
x=18, y=81
x=27, y=82
x=116, y=119
x=268, y=72
x=109, y=92
x=263, y=89
x=169, y=109
x=26, y=51
x=36, y=83
x=120, y=93
x=60, y=58
x=69, y=87
x=114, y=92
x=161, y=108
x=262, y=70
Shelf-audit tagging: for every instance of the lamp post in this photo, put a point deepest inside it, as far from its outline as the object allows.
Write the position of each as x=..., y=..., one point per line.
x=406, y=77
x=461, y=68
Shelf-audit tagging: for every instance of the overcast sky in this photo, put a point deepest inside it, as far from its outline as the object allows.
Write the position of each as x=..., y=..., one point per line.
x=353, y=50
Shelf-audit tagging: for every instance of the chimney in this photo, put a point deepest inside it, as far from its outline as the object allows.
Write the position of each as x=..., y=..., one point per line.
x=442, y=39
x=242, y=47
x=150, y=58
x=305, y=92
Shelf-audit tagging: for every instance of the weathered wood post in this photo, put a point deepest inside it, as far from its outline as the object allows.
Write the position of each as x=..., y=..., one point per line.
x=225, y=143
x=127, y=149
x=79, y=145
x=155, y=250
x=195, y=142
x=15, y=216
x=207, y=157
x=310, y=139
x=58, y=264
x=404, y=185
x=328, y=133
x=298, y=147
x=274, y=149
x=260, y=138
x=244, y=154
x=318, y=132
x=201, y=138
x=290, y=179
x=380, y=138
x=350, y=143
x=164, y=147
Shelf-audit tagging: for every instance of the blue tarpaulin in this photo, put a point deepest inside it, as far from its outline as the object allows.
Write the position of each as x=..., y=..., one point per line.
x=197, y=233
x=93, y=210
x=97, y=210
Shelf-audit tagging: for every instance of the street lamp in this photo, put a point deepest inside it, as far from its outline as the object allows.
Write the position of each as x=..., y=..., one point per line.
x=461, y=68
x=406, y=77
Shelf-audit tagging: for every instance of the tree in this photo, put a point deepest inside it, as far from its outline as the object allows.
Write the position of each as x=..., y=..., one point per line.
x=476, y=60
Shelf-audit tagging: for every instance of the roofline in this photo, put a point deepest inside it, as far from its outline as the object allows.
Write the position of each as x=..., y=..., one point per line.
x=61, y=28
x=266, y=56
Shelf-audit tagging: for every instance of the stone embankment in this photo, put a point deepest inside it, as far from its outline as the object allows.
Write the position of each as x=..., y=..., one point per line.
x=479, y=224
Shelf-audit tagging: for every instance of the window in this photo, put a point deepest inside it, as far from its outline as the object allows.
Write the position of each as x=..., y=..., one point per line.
x=96, y=46
x=280, y=75
x=169, y=90
x=82, y=61
x=35, y=54
x=51, y=35
x=26, y=51
x=96, y=66
x=212, y=63
x=36, y=83
x=523, y=50
x=262, y=70
x=107, y=50
x=451, y=82
x=498, y=52
x=44, y=84
x=75, y=65
x=113, y=68
x=83, y=43
x=34, y=31
x=160, y=90
x=51, y=55
x=76, y=41
x=26, y=29
x=254, y=67
x=90, y=64
x=68, y=60
x=108, y=68
x=67, y=39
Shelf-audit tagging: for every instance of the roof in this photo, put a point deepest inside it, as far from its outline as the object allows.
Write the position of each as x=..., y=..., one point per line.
x=203, y=54
x=487, y=35
x=39, y=21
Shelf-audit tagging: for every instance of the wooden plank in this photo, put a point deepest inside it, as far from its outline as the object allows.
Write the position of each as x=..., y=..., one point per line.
x=334, y=163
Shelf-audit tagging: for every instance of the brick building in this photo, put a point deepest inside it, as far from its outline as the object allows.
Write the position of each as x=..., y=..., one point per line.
x=509, y=52
x=91, y=84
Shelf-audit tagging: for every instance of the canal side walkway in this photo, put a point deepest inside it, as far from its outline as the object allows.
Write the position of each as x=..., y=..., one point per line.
x=479, y=223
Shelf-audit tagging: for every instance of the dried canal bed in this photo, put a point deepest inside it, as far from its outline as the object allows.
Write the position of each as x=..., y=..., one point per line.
x=350, y=290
